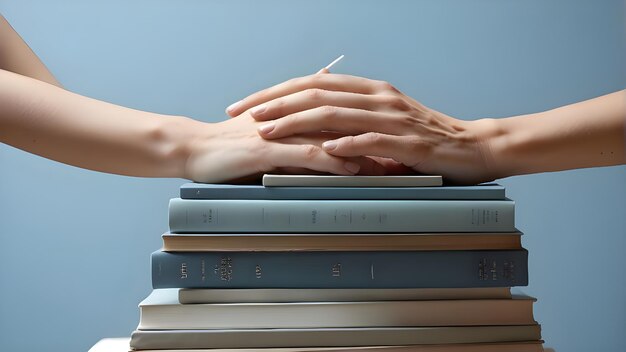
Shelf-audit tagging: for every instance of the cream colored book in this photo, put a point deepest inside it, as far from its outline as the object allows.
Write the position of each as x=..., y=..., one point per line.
x=162, y=310
x=326, y=337
x=122, y=345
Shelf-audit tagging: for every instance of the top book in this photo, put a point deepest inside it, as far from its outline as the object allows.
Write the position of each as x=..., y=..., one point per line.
x=489, y=191
x=351, y=181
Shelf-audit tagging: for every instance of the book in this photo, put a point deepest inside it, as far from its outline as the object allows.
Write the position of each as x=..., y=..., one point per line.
x=320, y=269
x=216, y=242
x=346, y=337
x=268, y=295
x=491, y=191
x=162, y=311
x=123, y=345
x=351, y=181
x=354, y=216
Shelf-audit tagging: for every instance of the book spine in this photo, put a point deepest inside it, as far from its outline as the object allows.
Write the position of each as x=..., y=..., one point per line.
x=416, y=269
x=320, y=216
x=488, y=192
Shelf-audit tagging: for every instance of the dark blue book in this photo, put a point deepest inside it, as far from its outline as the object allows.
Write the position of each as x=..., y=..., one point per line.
x=382, y=269
x=490, y=191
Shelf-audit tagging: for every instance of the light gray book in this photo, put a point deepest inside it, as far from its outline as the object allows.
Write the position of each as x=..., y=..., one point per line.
x=319, y=216
x=351, y=181
x=276, y=338
x=161, y=310
x=198, y=296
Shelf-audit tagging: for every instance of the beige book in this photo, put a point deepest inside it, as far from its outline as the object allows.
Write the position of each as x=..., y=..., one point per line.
x=122, y=345
x=233, y=295
x=331, y=337
x=340, y=242
x=162, y=310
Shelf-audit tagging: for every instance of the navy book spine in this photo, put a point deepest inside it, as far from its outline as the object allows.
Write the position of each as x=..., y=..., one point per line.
x=224, y=191
x=387, y=269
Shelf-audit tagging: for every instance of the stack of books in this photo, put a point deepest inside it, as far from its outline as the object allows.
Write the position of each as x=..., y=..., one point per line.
x=339, y=268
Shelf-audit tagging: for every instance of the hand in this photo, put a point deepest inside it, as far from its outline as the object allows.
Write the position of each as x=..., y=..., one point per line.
x=233, y=150
x=378, y=120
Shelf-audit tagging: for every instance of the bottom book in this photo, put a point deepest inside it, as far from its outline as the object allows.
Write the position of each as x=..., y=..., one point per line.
x=122, y=345
x=325, y=337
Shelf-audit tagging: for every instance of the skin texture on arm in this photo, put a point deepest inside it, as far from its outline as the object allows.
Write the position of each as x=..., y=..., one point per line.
x=57, y=124
x=380, y=121
x=16, y=56
x=586, y=134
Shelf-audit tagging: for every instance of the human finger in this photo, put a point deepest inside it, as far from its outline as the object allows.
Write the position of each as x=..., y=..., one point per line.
x=311, y=157
x=314, y=98
x=332, y=118
x=407, y=150
x=334, y=82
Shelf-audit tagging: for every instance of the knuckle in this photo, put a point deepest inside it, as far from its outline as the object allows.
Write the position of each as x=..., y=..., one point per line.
x=288, y=122
x=276, y=107
x=315, y=79
x=407, y=121
x=401, y=104
x=396, y=103
x=310, y=152
x=314, y=93
x=386, y=86
x=370, y=138
x=329, y=112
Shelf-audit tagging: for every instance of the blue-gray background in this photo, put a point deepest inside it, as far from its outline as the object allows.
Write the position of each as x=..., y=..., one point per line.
x=76, y=244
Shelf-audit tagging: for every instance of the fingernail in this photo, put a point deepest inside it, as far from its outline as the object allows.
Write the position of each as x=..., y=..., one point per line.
x=267, y=128
x=234, y=106
x=257, y=110
x=352, y=167
x=329, y=145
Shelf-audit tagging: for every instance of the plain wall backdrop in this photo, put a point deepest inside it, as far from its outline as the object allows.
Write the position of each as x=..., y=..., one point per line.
x=75, y=244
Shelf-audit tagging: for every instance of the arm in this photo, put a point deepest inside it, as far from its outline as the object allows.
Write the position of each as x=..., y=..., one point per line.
x=16, y=56
x=586, y=134
x=57, y=124
x=381, y=121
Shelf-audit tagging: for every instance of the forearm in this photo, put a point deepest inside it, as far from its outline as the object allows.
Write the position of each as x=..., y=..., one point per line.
x=16, y=56
x=586, y=134
x=54, y=123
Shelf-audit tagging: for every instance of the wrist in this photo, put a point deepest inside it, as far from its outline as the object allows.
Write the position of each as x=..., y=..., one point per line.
x=175, y=138
x=493, y=137
x=509, y=145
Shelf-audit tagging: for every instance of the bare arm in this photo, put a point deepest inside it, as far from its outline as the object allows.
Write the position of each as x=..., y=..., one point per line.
x=586, y=134
x=381, y=121
x=16, y=56
x=57, y=124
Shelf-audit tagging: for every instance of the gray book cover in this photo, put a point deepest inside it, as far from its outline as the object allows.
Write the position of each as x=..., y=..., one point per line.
x=317, y=216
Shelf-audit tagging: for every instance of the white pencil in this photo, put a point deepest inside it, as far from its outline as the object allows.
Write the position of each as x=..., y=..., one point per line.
x=331, y=64
x=334, y=62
